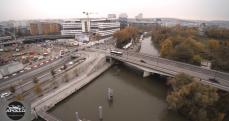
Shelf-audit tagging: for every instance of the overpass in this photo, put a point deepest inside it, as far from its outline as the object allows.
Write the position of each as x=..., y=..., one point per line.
x=151, y=64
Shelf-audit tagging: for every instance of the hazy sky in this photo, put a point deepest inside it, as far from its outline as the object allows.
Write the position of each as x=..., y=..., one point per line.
x=184, y=9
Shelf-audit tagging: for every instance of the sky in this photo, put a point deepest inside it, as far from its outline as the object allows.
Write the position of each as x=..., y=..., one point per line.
x=63, y=9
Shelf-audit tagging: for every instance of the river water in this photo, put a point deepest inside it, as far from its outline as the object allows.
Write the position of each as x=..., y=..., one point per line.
x=148, y=47
x=135, y=98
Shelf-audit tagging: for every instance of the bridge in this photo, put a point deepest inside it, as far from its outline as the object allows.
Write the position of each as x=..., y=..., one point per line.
x=152, y=64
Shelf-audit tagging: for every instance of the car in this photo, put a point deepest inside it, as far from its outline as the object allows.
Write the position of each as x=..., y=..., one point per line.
x=27, y=68
x=70, y=63
x=5, y=94
x=213, y=80
x=14, y=74
x=63, y=67
x=142, y=61
x=21, y=71
x=35, y=66
x=5, y=77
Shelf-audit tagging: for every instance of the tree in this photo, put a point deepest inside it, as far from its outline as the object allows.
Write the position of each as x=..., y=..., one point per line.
x=97, y=36
x=183, y=53
x=213, y=44
x=12, y=89
x=37, y=89
x=196, y=101
x=19, y=97
x=35, y=80
x=124, y=36
x=166, y=48
x=196, y=60
x=66, y=78
x=220, y=58
x=53, y=73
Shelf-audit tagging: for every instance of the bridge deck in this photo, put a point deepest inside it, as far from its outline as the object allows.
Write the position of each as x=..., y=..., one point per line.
x=171, y=67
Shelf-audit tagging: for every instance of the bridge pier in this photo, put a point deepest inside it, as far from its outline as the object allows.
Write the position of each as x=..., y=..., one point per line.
x=110, y=60
x=146, y=74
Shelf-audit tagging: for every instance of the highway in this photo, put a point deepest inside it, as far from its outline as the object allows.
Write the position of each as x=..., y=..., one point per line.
x=46, y=80
x=172, y=67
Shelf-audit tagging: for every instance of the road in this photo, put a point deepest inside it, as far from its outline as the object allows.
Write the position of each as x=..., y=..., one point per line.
x=173, y=67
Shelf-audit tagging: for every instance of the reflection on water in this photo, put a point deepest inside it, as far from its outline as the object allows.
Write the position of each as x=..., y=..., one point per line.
x=148, y=47
x=135, y=99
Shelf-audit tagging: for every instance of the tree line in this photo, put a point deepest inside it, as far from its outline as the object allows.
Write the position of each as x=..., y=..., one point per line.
x=124, y=36
x=186, y=45
x=196, y=101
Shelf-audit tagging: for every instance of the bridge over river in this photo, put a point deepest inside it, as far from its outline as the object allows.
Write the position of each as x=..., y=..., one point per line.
x=153, y=64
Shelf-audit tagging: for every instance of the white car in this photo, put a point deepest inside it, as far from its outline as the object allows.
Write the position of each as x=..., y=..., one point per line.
x=27, y=68
x=14, y=74
x=5, y=94
x=5, y=77
x=21, y=71
x=70, y=63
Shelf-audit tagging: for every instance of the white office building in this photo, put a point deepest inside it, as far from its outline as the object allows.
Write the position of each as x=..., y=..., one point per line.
x=102, y=26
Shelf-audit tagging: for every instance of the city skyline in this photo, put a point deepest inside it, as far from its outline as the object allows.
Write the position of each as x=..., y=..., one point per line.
x=63, y=9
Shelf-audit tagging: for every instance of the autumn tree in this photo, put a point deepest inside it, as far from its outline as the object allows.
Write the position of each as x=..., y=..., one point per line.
x=124, y=36
x=66, y=78
x=166, y=47
x=220, y=58
x=12, y=89
x=213, y=44
x=37, y=88
x=196, y=101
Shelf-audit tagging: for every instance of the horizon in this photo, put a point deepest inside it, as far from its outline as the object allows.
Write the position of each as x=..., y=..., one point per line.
x=116, y=18
x=204, y=10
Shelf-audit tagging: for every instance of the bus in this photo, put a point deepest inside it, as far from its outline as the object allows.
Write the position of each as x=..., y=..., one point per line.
x=113, y=52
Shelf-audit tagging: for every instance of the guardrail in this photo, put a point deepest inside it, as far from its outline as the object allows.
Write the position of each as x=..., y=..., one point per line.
x=212, y=73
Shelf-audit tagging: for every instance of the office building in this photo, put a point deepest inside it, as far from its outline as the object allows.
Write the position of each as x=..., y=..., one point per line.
x=101, y=26
x=44, y=28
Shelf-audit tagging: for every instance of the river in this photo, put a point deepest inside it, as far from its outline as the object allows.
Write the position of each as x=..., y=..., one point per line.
x=135, y=99
x=148, y=47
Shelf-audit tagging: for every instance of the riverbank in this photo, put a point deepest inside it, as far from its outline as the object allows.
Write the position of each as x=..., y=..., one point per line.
x=49, y=100
x=135, y=98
